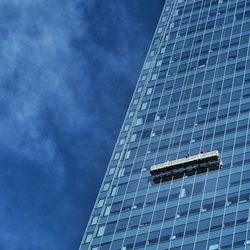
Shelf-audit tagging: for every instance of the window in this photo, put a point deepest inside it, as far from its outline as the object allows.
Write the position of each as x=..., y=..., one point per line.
x=122, y=224
x=139, y=121
x=170, y=213
x=219, y=202
x=183, y=193
x=106, y=186
x=88, y=238
x=242, y=216
x=111, y=171
x=216, y=222
x=146, y=65
x=200, y=245
x=149, y=91
x=160, y=30
x=239, y=239
x=121, y=172
x=127, y=154
x=158, y=216
x=229, y=220
x=178, y=232
x=235, y=179
x=117, y=155
x=198, y=187
x=133, y=137
x=114, y=191
x=107, y=210
x=191, y=229
x=100, y=231
x=121, y=188
x=214, y=247
x=146, y=218
x=135, y=101
x=116, y=207
x=222, y=182
x=165, y=235
x=130, y=114
x=152, y=53
x=164, y=18
x=153, y=237
x=204, y=225
x=139, y=90
x=195, y=207
x=158, y=63
x=122, y=141
x=153, y=77
x=126, y=127
x=156, y=41
x=226, y=242
x=134, y=221
x=94, y=220
x=183, y=210
x=100, y=203
x=110, y=227
x=144, y=105
x=127, y=205
x=210, y=185
x=132, y=186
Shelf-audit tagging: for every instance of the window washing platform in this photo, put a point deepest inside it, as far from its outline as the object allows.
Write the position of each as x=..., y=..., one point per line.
x=187, y=166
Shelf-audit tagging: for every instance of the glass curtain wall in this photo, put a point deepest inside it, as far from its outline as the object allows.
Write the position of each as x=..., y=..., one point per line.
x=192, y=96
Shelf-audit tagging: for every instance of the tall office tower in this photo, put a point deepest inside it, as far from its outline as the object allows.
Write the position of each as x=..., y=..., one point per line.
x=179, y=177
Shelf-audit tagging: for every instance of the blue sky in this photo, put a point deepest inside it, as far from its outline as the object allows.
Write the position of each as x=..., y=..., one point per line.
x=68, y=70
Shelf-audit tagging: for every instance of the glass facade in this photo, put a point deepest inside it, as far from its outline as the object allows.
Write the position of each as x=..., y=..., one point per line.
x=193, y=96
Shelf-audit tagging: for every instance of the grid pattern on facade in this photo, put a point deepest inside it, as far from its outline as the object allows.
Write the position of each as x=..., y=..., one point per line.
x=192, y=95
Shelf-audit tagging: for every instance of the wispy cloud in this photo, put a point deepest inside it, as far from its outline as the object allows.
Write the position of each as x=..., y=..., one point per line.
x=68, y=68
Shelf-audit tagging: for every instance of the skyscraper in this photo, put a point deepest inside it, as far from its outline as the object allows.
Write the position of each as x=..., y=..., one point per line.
x=179, y=176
